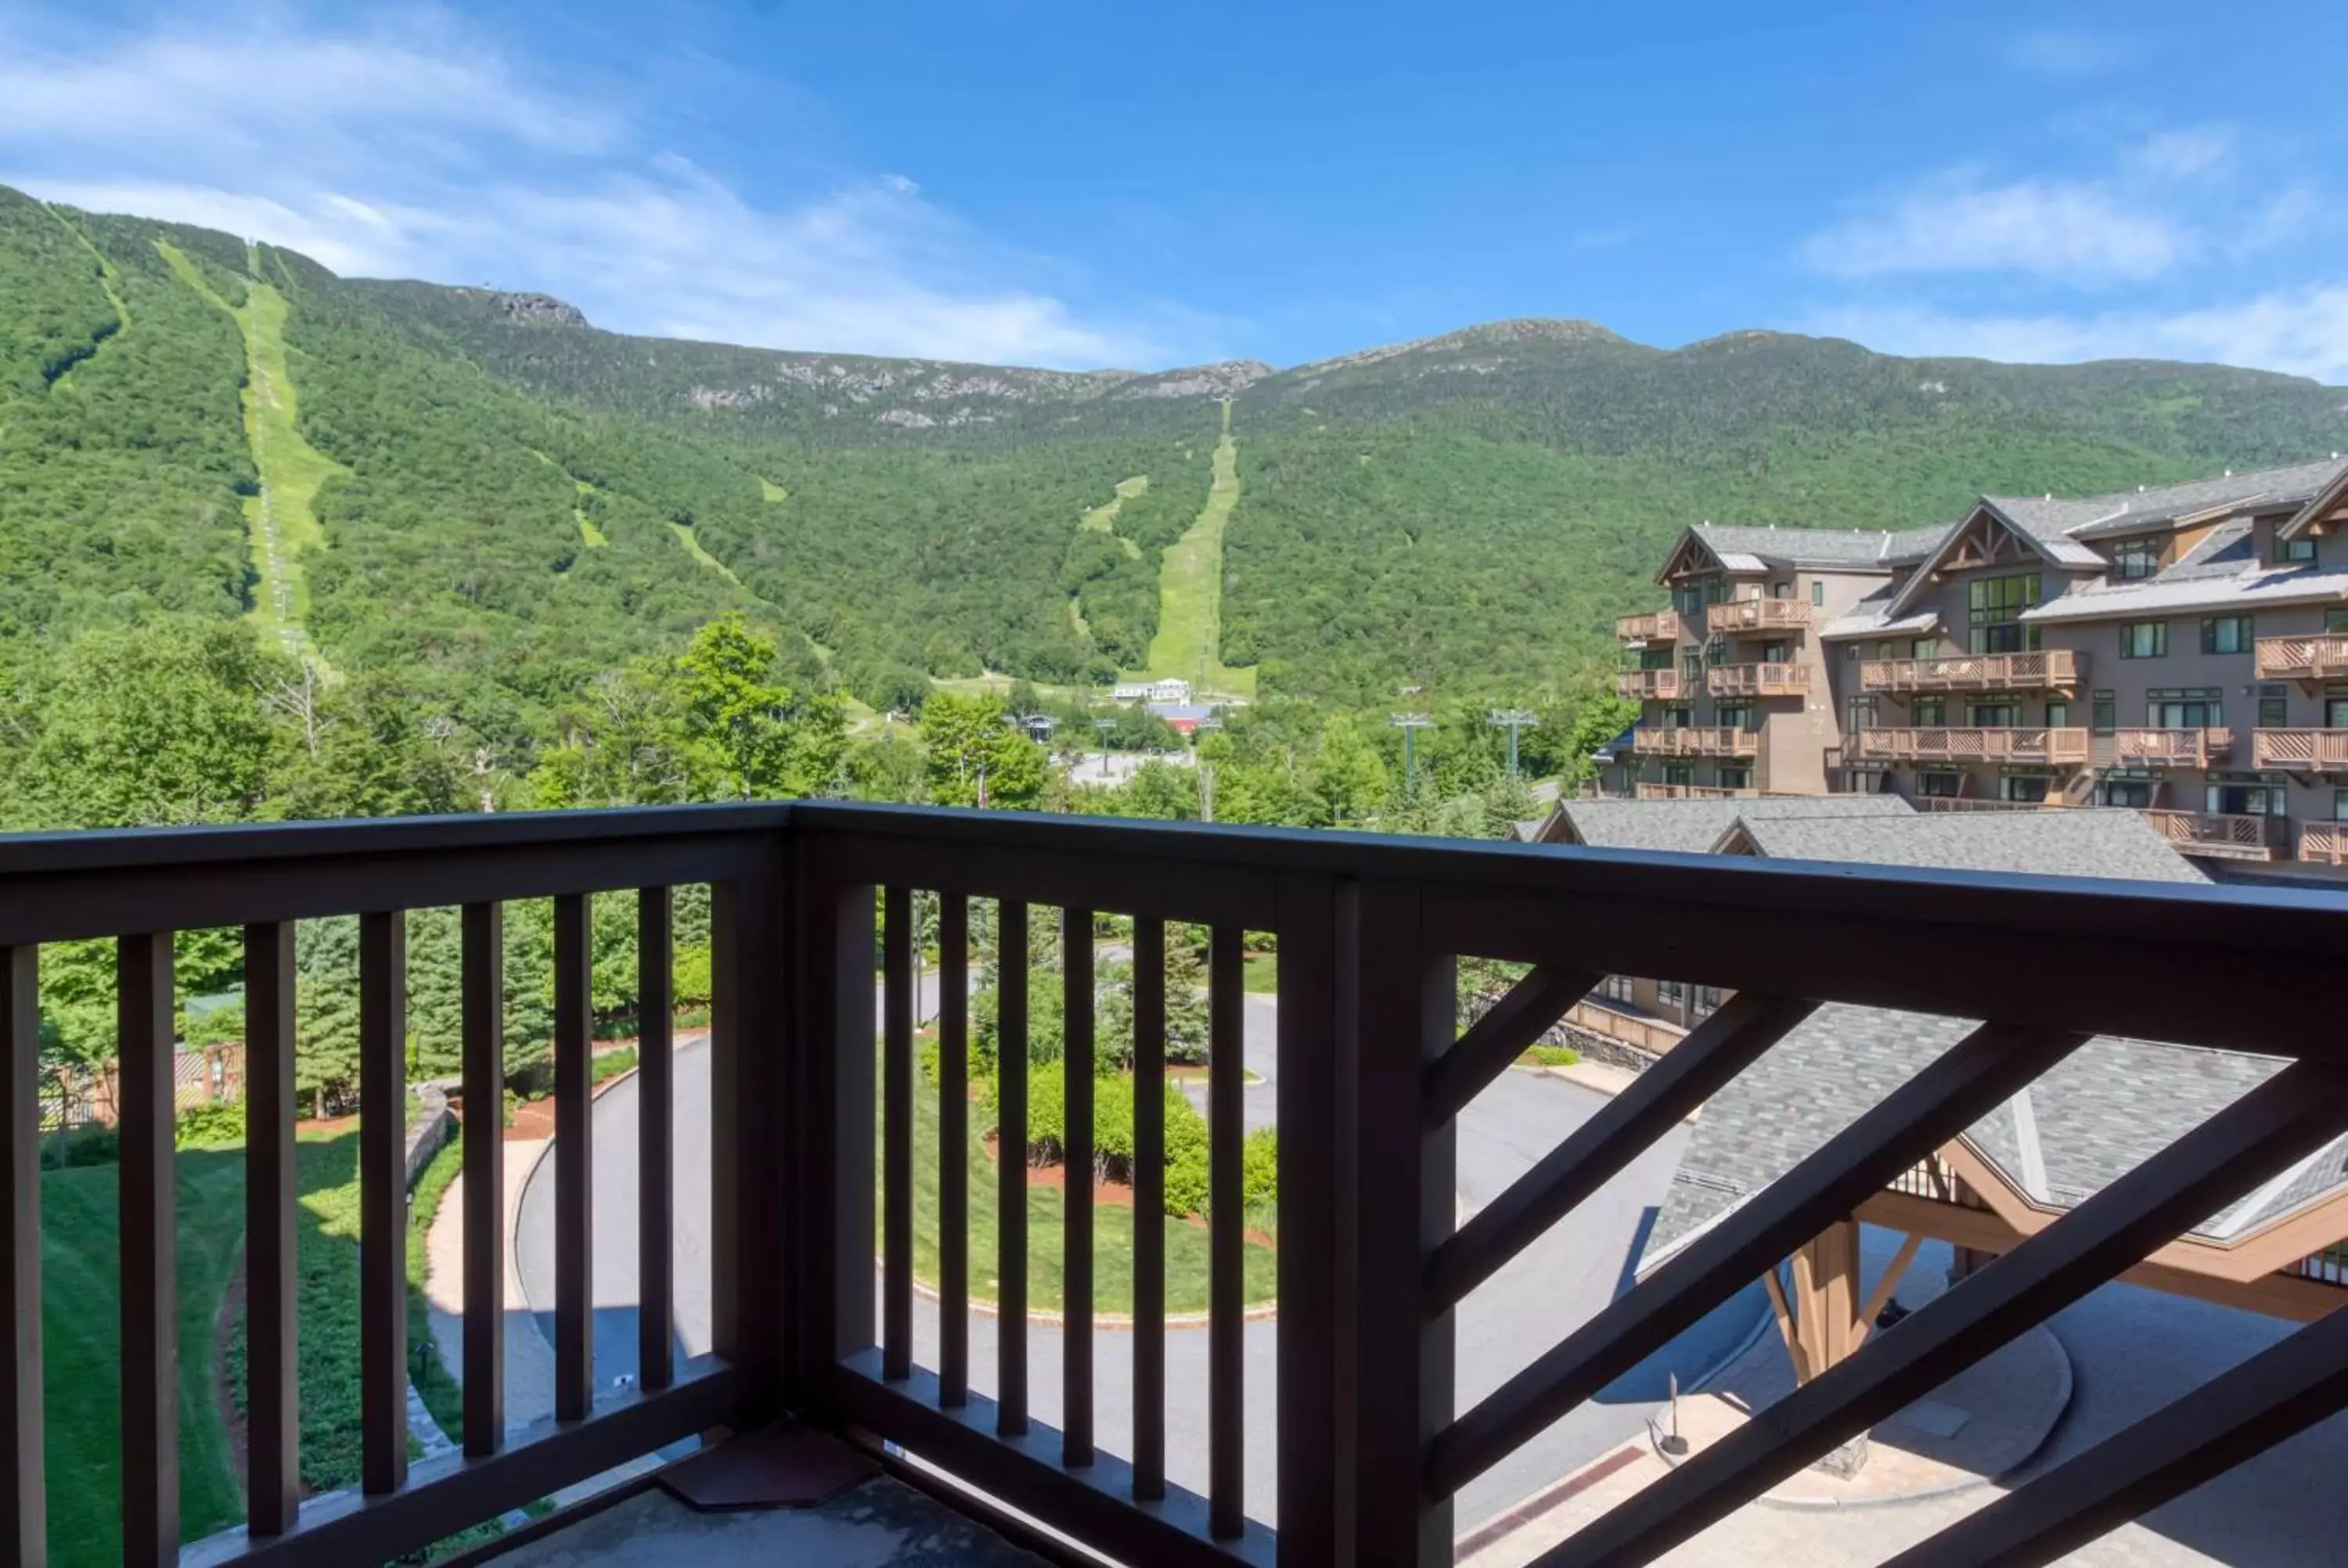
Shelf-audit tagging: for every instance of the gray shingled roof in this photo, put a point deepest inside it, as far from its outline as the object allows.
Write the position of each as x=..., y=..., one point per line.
x=2093, y=1118
x=2049, y=843
x=1818, y=547
x=2264, y=489
x=1866, y=619
x=1693, y=827
x=2213, y=586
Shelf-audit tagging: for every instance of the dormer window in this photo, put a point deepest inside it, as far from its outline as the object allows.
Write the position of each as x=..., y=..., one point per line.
x=2302, y=549
x=2136, y=558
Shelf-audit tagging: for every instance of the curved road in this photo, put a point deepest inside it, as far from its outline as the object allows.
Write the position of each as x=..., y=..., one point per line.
x=1556, y=1285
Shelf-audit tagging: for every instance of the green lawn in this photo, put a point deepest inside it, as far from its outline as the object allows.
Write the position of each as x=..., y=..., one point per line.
x=1186, y=1243
x=82, y=1346
x=1262, y=973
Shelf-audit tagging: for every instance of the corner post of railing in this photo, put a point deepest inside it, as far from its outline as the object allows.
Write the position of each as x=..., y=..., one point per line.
x=829, y=1128
x=750, y=946
x=1395, y=1008
x=1310, y=1185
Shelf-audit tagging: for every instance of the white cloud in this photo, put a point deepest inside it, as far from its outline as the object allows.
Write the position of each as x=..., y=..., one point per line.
x=2301, y=332
x=429, y=155
x=2050, y=229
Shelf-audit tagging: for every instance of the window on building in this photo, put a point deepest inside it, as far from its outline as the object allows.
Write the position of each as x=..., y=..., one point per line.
x=2243, y=794
x=1692, y=667
x=2136, y=794
x=2103, y=713
x=1707, y=1001
x=2184, y=708
x=2144, y=639
x=1995, y=605
x=2335, y=708
x=1781, y=590
x=1858, y=713
x=1679, y=775
x=1818, y=591
x=2058, y=715
x=2023, y=789
x=2340, y=805
x=1735, y=778
x=1736, y=715
x=1939, y=785
x=1671, y=993
x=1887, y=649
x=2335, y=621
x=1995, y=713
x=1932, y=712
x=2133, y=558
x=1654, y=658
x=1773, y=653
x=2299, y=549
x=2274, y=708
x=1923, y=647
x=1621, y=988
x=1678, y=718
x=2226, y=634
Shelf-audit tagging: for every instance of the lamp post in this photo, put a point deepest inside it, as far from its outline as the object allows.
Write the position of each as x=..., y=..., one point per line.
x=1107, y=727
x=1512, y=719
x=1408, y=723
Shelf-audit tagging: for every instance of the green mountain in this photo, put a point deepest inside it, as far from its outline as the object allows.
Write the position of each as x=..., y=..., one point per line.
x=489, y=495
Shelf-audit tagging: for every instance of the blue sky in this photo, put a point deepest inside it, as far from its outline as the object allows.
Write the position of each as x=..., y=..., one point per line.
x=1079, y=184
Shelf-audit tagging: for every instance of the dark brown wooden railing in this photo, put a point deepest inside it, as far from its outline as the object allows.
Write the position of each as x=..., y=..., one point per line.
x=810, y=1103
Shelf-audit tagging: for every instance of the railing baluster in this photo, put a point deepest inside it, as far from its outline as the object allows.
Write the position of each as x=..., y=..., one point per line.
x=23, y=1496
x=897, y=1133
x=482, y=1024
x=1076, y=1166
x=150, y=1281
x=272, y=1409
x=1010, y=1169
x=382, y=1200
x=574, y=1163
x=656, y=1159
x=1149, y=1209
x=953, y=1139
x=1226, y=1235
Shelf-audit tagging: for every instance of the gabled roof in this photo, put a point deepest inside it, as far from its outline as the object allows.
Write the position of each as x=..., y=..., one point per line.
x=2327, y=500
x=2052, y=842
x=1693, y=827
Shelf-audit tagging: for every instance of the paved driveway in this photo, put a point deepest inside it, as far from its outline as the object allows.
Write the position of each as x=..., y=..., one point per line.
x=1555, y=1285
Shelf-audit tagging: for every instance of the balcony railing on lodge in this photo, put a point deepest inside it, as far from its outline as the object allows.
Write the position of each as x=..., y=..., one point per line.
x=2323, y=751
x=1653, y=1036
x=1648, y=685
x=2229, y=835
x=2320, y=657
x=1758, y=680
x=1758, y=615
x=2326, y=842
x=1693, y=792
x=2058, y=747
x=2196, y=749
x=2053, y=668
x=1655, y=626
x=813, y=1109
x=1697, y=741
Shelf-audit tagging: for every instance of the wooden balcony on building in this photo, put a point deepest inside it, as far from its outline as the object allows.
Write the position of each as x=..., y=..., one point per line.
x=2325, y=842
x=1697, y=741
x=2057, y=747
x=2221, y=835
x=1758, y=615
x=2196, y=749
x=1649, y=685
x=2317, y=750
x=1693, y=792
x=1655, y=626
x=1761, y=680
x=839, y=1296
x=2048, y=669
x=1949, y=803
x=2316, y=658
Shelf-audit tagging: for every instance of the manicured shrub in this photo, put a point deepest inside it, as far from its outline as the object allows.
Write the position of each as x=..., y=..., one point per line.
x=199, y=1126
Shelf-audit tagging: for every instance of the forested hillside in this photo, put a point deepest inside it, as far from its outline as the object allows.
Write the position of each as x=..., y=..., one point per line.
x=510, y=504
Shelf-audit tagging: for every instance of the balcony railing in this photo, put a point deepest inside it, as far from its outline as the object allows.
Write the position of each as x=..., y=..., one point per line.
x=1758, y=615
x=2324, y=658
x=2053, y=669
x=1950, y=803
x=1763, y=679
x=2326, y=842
x=811, y=1139
x=2323, y=751
x=2171, y=748
x=1697, y=741
x=1693, y=792
x=2056, y=747
x=1652, y=1035
x=1655, y=626
x=2233, y=836
x=1648, y=685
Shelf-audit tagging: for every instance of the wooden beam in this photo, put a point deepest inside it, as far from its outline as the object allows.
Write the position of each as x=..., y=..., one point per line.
x=1881, y=1295
x=1785, y=1315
